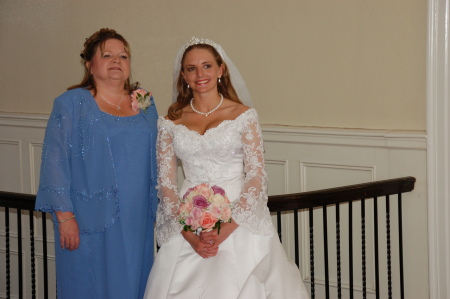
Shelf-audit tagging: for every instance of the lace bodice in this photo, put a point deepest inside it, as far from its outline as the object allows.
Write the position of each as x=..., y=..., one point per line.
x=229, y=155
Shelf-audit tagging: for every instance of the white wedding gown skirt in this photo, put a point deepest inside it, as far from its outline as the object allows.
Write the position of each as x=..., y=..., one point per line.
x=247, y=266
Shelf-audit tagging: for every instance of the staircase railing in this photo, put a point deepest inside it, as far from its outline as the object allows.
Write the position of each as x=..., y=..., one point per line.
x=336, y=198
x=36, y=280
x=22, y=206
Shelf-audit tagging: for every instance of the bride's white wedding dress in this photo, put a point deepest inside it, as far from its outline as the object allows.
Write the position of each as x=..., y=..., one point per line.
x=251, y=263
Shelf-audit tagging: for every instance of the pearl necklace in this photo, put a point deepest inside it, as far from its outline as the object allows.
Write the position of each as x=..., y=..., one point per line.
x=117, y=105
x=209, y=112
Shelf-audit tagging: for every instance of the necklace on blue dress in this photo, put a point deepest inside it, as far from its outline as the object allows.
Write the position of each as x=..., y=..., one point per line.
x=117, y=105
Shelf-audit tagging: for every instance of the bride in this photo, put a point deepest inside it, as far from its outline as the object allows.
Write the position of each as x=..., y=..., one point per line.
x=218, y=140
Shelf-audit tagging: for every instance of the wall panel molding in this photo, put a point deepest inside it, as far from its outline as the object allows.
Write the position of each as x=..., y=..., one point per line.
x=35, y=150
x=23, y=120
x=350, y=137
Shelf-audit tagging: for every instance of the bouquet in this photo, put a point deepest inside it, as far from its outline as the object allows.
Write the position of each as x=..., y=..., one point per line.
x=141, y=99
x=204, y=208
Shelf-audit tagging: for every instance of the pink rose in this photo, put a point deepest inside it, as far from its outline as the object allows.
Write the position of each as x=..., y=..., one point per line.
x=189, y=221
x=197, y=213
x=185, y=208
x=134, y=105
x=195, y=219
x=187, y=193
x=218, y=190
x=207, y=221
x=135, y=95
x=189, y=206
x=195, y=224
x=141, y=91
x=200, y=202
x=215, y=211
x=226, y=214
x=204, y=190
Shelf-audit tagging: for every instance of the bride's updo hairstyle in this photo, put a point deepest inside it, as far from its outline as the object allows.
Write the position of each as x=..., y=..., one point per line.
x=185, y=94
x=95, y=41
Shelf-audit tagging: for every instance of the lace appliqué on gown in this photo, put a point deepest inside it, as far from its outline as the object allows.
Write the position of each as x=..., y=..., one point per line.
x=166, y=223
x=232, y=149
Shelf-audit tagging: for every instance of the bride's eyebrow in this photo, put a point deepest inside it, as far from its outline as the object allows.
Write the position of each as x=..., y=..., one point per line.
x=194, y=64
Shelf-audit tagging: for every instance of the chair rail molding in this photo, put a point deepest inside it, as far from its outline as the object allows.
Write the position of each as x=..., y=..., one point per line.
x=438, y=113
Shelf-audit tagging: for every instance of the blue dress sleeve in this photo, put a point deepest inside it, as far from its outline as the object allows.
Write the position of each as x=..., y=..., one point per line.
x=55, y=175
x=152, y=116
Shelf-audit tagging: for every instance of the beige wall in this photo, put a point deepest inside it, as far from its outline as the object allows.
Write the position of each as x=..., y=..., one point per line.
x=326, y=63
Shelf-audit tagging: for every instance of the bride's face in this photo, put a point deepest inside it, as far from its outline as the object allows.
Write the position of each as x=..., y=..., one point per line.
x=200, y=70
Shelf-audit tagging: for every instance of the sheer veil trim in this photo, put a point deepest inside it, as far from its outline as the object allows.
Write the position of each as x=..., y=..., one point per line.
x=236, y=78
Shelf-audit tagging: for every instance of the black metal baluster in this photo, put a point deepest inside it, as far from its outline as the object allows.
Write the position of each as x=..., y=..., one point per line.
x=363, y=245
x=8, y=255
x=377, y=258
x=338, y=250
x=350, y=245
x=388, y=241
x=400, y=237
x=279, y=226
x=19, y=255
x=311, y=251
x=44, y=250
x=296, y=241
x=325, y=252
x=33, y=257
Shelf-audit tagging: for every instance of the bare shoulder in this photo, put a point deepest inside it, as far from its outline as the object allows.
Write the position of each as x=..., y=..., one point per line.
x=181, y=119
x=235, y=109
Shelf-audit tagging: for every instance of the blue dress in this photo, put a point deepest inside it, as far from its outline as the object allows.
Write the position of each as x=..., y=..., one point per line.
x=102, y=168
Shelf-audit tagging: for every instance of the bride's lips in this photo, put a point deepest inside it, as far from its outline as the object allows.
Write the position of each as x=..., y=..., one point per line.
x=115, y=68
x=202, y=82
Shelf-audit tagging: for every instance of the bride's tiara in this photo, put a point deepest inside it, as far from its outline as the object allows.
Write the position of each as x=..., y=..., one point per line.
x=199, y=41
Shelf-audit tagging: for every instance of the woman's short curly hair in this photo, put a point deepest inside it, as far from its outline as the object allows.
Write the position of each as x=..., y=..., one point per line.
x=92, y=43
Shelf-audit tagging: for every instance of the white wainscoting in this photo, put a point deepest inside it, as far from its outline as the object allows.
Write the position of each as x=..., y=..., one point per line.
x=306, y=159
x=297, y=159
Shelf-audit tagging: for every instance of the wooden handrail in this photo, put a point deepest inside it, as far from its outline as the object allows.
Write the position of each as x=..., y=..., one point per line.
x=311, y=199
x=278, y=203
x=17, y=200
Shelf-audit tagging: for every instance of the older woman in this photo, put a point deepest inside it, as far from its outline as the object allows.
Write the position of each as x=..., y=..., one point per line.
x=98, y=177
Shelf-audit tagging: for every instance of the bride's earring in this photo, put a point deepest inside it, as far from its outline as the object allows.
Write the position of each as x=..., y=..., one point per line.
x=219, y=80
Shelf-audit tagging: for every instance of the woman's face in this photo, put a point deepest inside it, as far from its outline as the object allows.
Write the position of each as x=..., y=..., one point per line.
x=200, y=70
x=110, y=63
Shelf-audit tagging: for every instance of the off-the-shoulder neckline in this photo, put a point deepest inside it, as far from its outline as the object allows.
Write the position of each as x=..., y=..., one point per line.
x=162, y=118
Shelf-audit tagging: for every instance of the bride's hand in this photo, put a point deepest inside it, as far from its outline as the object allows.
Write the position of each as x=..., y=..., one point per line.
x=213, y=237
x=204, y=249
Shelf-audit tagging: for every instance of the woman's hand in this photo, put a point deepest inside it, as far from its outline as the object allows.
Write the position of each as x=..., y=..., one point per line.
x=69, y=235
x=204, y=249
x=216, y=238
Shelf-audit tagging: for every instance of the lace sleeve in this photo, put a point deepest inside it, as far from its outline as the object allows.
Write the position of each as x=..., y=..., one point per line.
x=167, y=225
x=250, y=210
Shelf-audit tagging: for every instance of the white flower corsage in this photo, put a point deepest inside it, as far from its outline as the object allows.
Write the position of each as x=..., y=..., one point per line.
x=141, y=99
